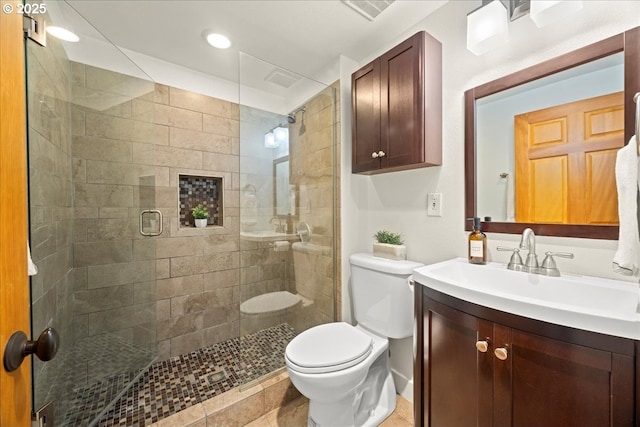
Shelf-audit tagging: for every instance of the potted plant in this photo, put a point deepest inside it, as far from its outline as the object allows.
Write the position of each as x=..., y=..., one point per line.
x=200, y=215
x=389, y=245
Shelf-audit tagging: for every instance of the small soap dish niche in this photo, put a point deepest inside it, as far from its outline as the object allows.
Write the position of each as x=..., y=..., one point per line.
x=200, y=190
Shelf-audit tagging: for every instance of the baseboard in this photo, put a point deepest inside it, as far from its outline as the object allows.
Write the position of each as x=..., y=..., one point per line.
x=404, y=385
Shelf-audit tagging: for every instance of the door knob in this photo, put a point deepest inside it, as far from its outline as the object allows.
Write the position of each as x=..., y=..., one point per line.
x=381, y=153
x=18, y=347
x=374, y=155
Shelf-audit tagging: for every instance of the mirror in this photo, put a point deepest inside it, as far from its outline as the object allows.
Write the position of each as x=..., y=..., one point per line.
x=490, y=153
x=284, y=193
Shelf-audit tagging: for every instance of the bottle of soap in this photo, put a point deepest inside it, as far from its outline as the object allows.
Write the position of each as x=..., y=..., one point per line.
x=477, y=244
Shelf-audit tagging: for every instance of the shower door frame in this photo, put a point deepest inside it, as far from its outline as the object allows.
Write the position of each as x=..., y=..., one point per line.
x=15, y=387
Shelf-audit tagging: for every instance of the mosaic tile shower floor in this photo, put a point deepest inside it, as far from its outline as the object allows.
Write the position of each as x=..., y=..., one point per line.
x=169, y=386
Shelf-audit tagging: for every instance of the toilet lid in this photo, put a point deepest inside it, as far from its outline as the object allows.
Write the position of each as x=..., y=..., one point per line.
x=328, y=348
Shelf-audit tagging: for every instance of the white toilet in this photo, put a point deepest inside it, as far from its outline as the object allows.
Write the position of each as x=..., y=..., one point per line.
x=344, y=370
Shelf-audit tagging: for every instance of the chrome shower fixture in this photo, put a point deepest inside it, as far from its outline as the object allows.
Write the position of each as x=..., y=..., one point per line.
x=291, y=118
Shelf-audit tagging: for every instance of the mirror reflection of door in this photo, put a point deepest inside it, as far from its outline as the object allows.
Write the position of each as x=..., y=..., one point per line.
x=565, y=162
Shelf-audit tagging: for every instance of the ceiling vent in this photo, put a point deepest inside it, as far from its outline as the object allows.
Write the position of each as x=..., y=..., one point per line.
x=282, y=78
x=368, y=9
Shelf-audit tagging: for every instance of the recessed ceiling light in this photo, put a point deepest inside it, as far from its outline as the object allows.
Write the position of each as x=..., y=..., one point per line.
x=218, y=40
x=62, y=34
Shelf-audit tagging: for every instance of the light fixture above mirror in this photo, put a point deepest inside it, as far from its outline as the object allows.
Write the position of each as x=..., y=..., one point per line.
x=488, y=25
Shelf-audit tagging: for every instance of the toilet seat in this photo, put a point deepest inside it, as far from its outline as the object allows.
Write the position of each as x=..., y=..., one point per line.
x=328, y=348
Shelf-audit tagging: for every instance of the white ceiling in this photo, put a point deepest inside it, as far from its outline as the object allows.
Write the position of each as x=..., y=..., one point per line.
x=304, y=36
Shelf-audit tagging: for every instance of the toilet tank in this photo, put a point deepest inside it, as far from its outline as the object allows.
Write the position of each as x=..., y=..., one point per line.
x=381, y=296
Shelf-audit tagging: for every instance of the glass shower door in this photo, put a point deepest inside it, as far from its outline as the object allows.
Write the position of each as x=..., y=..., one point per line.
x=287, y=210
x=89, y=182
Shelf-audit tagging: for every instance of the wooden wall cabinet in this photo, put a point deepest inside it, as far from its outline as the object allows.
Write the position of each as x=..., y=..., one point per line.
x=397, y=108
x=480, y=367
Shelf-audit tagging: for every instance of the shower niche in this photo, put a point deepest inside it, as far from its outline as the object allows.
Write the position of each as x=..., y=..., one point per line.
x=197, y=190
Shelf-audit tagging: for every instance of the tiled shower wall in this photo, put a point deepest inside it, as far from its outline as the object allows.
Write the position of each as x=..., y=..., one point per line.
x=50, y=204
x=313, y=165
x=187, y=279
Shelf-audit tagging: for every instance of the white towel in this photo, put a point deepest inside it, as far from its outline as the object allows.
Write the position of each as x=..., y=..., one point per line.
x=625, y=260
x=511, y=199
x=31, y=267
x=249, y=209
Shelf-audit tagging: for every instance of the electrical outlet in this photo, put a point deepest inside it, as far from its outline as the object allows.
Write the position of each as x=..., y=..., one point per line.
x=434, y=204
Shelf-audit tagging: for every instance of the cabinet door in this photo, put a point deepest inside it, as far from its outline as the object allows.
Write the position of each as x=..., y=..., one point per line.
x=458, y=378
x=554, y=383
x=402, y=103
x=365, y=98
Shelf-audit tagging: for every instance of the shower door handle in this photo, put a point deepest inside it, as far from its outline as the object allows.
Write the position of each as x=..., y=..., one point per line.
x=18, y=347
x=157, y=230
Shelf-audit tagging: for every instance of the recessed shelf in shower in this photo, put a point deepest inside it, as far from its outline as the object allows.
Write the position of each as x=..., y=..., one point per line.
x=200, y=190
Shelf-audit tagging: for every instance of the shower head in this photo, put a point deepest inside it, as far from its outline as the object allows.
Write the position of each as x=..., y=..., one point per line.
x=291, y=118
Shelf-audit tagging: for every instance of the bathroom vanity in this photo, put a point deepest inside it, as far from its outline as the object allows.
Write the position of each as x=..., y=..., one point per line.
x=500, y=348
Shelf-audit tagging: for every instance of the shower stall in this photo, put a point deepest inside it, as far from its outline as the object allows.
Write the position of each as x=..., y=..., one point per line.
x=136, y=292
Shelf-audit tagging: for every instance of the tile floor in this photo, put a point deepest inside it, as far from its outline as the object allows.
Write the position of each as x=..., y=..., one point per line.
x=294, y=414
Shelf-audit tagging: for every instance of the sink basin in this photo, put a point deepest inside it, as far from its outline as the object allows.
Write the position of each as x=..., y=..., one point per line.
x=590, y=303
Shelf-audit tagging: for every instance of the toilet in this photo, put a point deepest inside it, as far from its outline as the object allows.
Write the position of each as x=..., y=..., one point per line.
x=344, y=370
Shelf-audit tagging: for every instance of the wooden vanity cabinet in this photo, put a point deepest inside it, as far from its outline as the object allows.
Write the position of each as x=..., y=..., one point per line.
x=397, y=108
x=551, y=375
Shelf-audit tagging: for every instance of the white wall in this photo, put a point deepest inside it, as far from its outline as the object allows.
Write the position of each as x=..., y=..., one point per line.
x=397, y=201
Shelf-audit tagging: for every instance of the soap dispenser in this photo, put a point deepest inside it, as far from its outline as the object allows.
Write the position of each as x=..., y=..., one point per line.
x=477, y=244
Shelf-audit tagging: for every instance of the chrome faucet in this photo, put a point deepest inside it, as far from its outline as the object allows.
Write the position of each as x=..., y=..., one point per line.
x=528, y=241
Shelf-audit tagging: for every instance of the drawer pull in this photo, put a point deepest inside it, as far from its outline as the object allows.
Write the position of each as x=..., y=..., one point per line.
x=501, y=353
x=482, y=346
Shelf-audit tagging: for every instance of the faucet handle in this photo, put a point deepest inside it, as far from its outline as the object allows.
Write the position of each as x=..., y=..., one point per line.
x=549, y=262
x=515, y=263
x=549, y=266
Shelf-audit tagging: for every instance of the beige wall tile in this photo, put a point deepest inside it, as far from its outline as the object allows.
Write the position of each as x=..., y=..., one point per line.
x=149, y=154
x=179, y=326
x=221, y=279
x=105, y=252
x=177, y=117
x=178, y=286
x=203, y=264
x=221, y=126
x=197, y=140
x=202, y=103
x=100, y=276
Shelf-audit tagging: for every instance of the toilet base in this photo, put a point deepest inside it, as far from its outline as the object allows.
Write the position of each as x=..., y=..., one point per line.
x=341, y=414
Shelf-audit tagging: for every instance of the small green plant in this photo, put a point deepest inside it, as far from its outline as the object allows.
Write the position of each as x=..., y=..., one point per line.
x=199, y=212
x=384, y=236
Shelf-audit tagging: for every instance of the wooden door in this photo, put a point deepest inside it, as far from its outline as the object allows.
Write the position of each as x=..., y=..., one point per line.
x=565, y=162
x=557, y=384
x=457, y=384
x=365, y=98
x=15, y=387
x=402, y=103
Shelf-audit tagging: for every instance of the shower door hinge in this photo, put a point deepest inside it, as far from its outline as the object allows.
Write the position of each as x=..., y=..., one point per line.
x=43, y=417
x=34, y=27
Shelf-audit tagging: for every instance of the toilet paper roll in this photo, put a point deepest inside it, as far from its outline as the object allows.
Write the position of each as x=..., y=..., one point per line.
x=281, y=246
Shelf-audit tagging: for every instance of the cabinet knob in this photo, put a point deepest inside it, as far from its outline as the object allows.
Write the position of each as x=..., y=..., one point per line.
x=501, y=353
x=381, y=153
x=482, y=346
x=374, y=155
